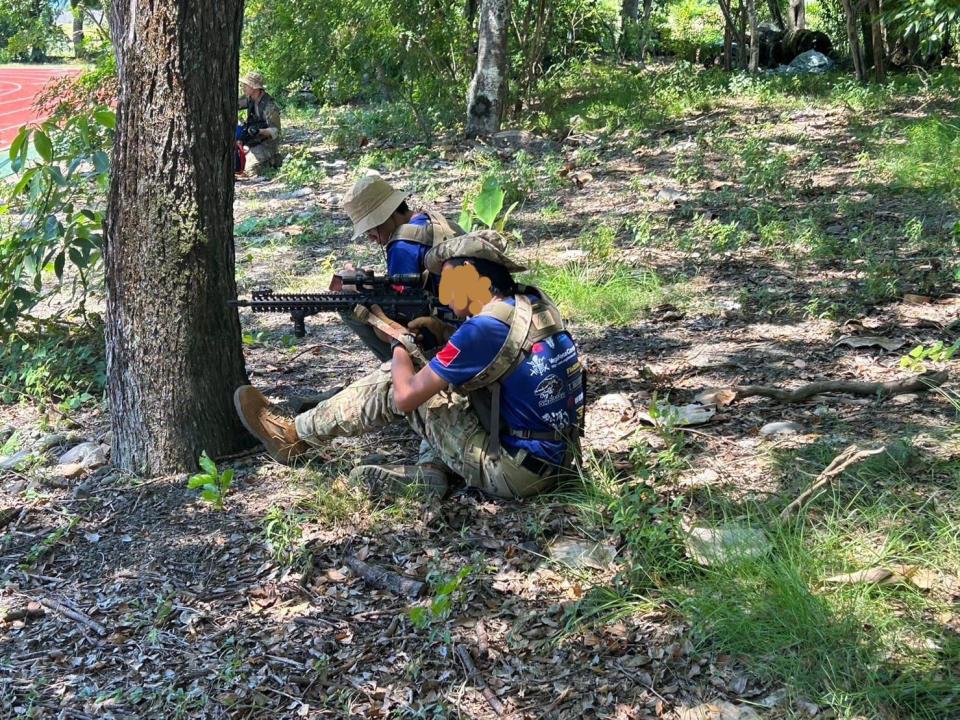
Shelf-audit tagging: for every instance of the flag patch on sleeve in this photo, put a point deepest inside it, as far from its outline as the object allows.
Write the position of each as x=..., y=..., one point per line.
x=448, y=354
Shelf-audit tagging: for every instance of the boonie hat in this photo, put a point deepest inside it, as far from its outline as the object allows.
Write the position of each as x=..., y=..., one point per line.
x=253, y=80
x=370, y=202
x=480, y=245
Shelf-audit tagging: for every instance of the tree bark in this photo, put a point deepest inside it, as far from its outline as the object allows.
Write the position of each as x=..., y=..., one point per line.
x=879, y=50
x=174, y=352
x=797, y=15
x=754, y=64
x=630, y=11
x=776, y=14
x=853, y=38
x=77, y=28
x=488, y=90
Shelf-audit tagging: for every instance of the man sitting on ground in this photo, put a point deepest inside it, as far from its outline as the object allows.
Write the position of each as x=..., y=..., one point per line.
x=500, y=405
x=260, y=132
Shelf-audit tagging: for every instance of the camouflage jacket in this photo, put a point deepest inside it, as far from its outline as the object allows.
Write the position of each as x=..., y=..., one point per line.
x=265, y=113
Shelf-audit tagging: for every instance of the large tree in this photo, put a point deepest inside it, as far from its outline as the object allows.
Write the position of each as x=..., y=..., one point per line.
x=173, y=345
x=488, y=91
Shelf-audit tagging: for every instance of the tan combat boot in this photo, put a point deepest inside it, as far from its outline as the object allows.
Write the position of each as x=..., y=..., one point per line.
x=398, y=479
x=277, y=433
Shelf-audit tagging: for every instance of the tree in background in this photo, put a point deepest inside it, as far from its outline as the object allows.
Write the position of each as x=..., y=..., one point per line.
x=28, y=30
x=487, y=96
x=173, y=345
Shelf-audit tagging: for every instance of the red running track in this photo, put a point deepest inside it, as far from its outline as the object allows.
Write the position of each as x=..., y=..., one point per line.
x=18, y=88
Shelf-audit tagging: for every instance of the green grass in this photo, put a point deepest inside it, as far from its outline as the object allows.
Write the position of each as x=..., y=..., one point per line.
x=611, y=296
x=928, y=159
x=862, y=650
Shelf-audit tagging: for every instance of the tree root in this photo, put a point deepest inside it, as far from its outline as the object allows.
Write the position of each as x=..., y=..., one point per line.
x=925, y=381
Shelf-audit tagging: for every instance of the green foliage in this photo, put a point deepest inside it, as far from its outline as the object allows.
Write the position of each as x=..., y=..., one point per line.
x=938, y=352
x=445, y=591
x=56, y=362
x=611, y=295
x=283, y=534
x=929, y=158
x=52, y=217
x=28, y=30
x=212, y=483
x=486, y=208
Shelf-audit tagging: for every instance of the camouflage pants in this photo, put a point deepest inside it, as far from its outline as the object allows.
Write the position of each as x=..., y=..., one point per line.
x=261, y=157
x=446, y=422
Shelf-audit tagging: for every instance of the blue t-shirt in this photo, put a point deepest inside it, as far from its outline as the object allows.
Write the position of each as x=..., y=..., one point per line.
x=544, y=392
x=405, y=257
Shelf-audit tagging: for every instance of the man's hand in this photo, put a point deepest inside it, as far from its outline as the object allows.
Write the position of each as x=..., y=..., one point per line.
x=253, y=131
x=429, y=329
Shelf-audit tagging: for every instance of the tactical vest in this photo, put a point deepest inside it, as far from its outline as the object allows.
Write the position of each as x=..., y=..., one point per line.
x=529, y=323
x=437, y=229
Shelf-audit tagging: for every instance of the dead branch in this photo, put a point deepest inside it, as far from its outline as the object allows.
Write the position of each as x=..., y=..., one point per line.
x=463, y=652
x=841, y=462
x=386, y=580
x=74, y=615
x=922, y=382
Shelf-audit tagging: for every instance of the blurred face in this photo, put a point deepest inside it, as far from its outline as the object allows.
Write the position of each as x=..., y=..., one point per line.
x=463, y=289
x=247, y=90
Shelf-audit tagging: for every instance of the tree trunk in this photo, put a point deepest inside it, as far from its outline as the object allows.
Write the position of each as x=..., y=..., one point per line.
x=629, y=11
x=754, y=37
x=776, y=14
x=645, y=28
x=853, y=38
x=488, y=90
x=879, y=50
x=77, y=12
x=173, y=345
x=797, y=15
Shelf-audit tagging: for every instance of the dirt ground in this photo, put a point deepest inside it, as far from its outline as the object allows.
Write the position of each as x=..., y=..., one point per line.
x=132, y=598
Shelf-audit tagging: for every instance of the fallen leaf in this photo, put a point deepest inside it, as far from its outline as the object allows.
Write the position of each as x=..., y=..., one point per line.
x=578, y=553
x=911, y=299
x=677, y=415
x=581, y=178
x=870, y=576
x=720, y=710
x=719, y=545
x=889, y=344
x=720, y=397
x=335, y=575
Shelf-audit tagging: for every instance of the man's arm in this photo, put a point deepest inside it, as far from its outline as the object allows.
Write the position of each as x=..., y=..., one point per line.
x=272, y=117
x=412, y=389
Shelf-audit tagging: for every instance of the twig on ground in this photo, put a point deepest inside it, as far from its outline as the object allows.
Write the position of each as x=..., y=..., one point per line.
x=463, y=652
x=74, y=615
x=841, y=462
x=386, y=580
x=926, y=381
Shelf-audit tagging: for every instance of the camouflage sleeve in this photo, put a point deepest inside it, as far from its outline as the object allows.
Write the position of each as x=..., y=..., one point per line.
x=242, y=102
x=271, y=114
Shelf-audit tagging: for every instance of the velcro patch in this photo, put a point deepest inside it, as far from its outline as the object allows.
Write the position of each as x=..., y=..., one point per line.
x=449, y=353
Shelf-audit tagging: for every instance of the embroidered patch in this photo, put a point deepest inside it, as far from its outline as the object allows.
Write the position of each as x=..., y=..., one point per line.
x=448, y=354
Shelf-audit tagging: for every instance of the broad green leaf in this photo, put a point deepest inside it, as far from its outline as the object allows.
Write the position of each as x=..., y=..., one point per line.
x=226, y=480
x=106, y=117
x=419, y=617
x=197, y=481
x=58, y=264
x=77, y=257
x=466, y=220
x=16, y=149
x=100, y=161
x=41, y=141
x=207, y=464
x=24, y=181
x=210, y=494
x=489, y=202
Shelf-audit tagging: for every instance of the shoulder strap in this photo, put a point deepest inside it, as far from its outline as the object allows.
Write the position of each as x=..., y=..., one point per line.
x=412, y=233
x=521, y=315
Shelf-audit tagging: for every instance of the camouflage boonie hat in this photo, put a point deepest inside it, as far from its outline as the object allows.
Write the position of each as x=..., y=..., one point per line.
x=480, y=245
x=370, y=203
x=253, y=80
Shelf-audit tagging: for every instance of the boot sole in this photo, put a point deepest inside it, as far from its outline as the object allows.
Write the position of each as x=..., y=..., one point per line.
x=236, y=406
